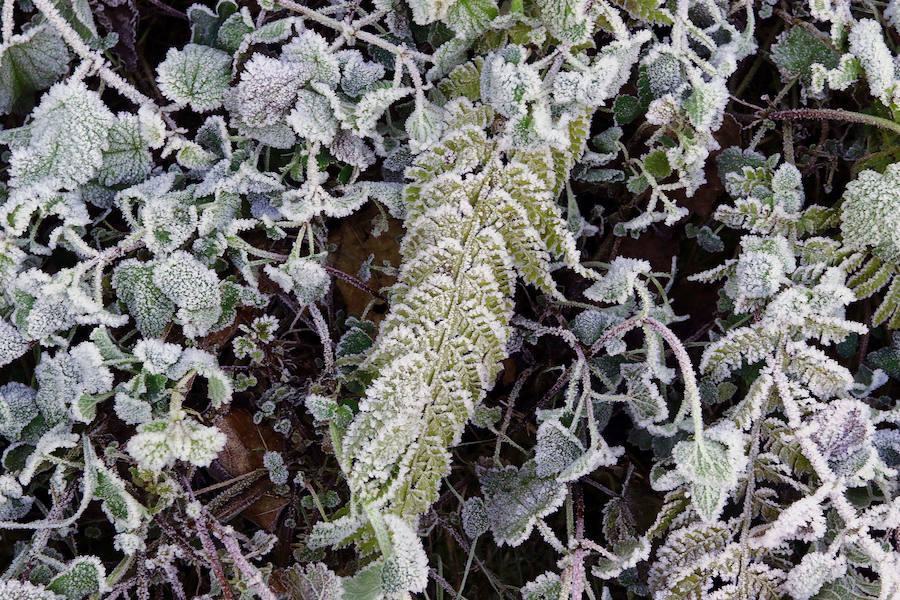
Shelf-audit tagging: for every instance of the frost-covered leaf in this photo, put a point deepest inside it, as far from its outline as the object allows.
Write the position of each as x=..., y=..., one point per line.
x=814, y=570
x=82, y=576
x=313, y=581
x=312, y=118
x=151, y=309
x=67, y=137
x=126, y=158
x=797, y=49
x=310, y=52
x=710, y=471
x=160, y=443
x=30, y=62
x=196, y=75
x=469, y=18
x=12, y=343
x=515, y=498
x=617, y=285
x=17, y=409
x=193, y=288
x=870, y=212
x=547, y=586
x=406, y=569
x=305, y=277
x=17, y=590
x=569, y=21
x=474, y=518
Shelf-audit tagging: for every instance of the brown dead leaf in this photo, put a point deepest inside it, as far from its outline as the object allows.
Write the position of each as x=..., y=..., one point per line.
x=245, y=444
x=355, y=242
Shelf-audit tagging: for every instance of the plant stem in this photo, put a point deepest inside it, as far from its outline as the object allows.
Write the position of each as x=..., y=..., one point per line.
x=350, y=32
x=836, y=115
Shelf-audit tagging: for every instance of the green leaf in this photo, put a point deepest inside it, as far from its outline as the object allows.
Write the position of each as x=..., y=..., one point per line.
x=126, y=159
x=205, y=23
x=232, y=32
x=30, y=62
x=84, y=575
x=469, y=18
x=626, y=109
x=365, y=585
x=646, y=10
x=887, y=359
x=150, y=308
x=797, y=49
x=567, y=20
x=196, y=75
x=657, y=163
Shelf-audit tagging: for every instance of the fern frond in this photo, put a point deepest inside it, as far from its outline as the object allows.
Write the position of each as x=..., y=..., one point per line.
x=474, y=217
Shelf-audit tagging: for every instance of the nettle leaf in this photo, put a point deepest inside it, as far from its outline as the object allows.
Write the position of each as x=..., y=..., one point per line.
x=569, y=21
x=887, y=359
x=313, y=581
x=151, y=309
x=797, y=50
x=17, y=590
x=193, y=288
x=515, y=498
x=205, y=23
x=709, y=470
x=67, y=137
x=196, y=75
x=17, y=409
x=30, y=62
x=305, y=277
x=617, y=285
x=127, y=158
x=12, y=343
x=547, y=586
x=313, y=118
x=469, y=18
x=84, y=575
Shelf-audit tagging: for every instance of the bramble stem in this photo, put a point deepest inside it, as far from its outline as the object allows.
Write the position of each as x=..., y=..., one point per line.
x=833, y=114
x=350, y=32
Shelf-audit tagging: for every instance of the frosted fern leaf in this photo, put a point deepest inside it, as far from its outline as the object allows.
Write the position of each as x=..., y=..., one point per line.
x=196, y=75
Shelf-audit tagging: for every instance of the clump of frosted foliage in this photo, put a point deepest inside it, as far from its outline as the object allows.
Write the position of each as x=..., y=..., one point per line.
x=468, y=170
x=870, y=212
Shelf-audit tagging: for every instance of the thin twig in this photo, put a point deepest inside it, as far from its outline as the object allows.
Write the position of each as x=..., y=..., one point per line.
x=350, y=32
